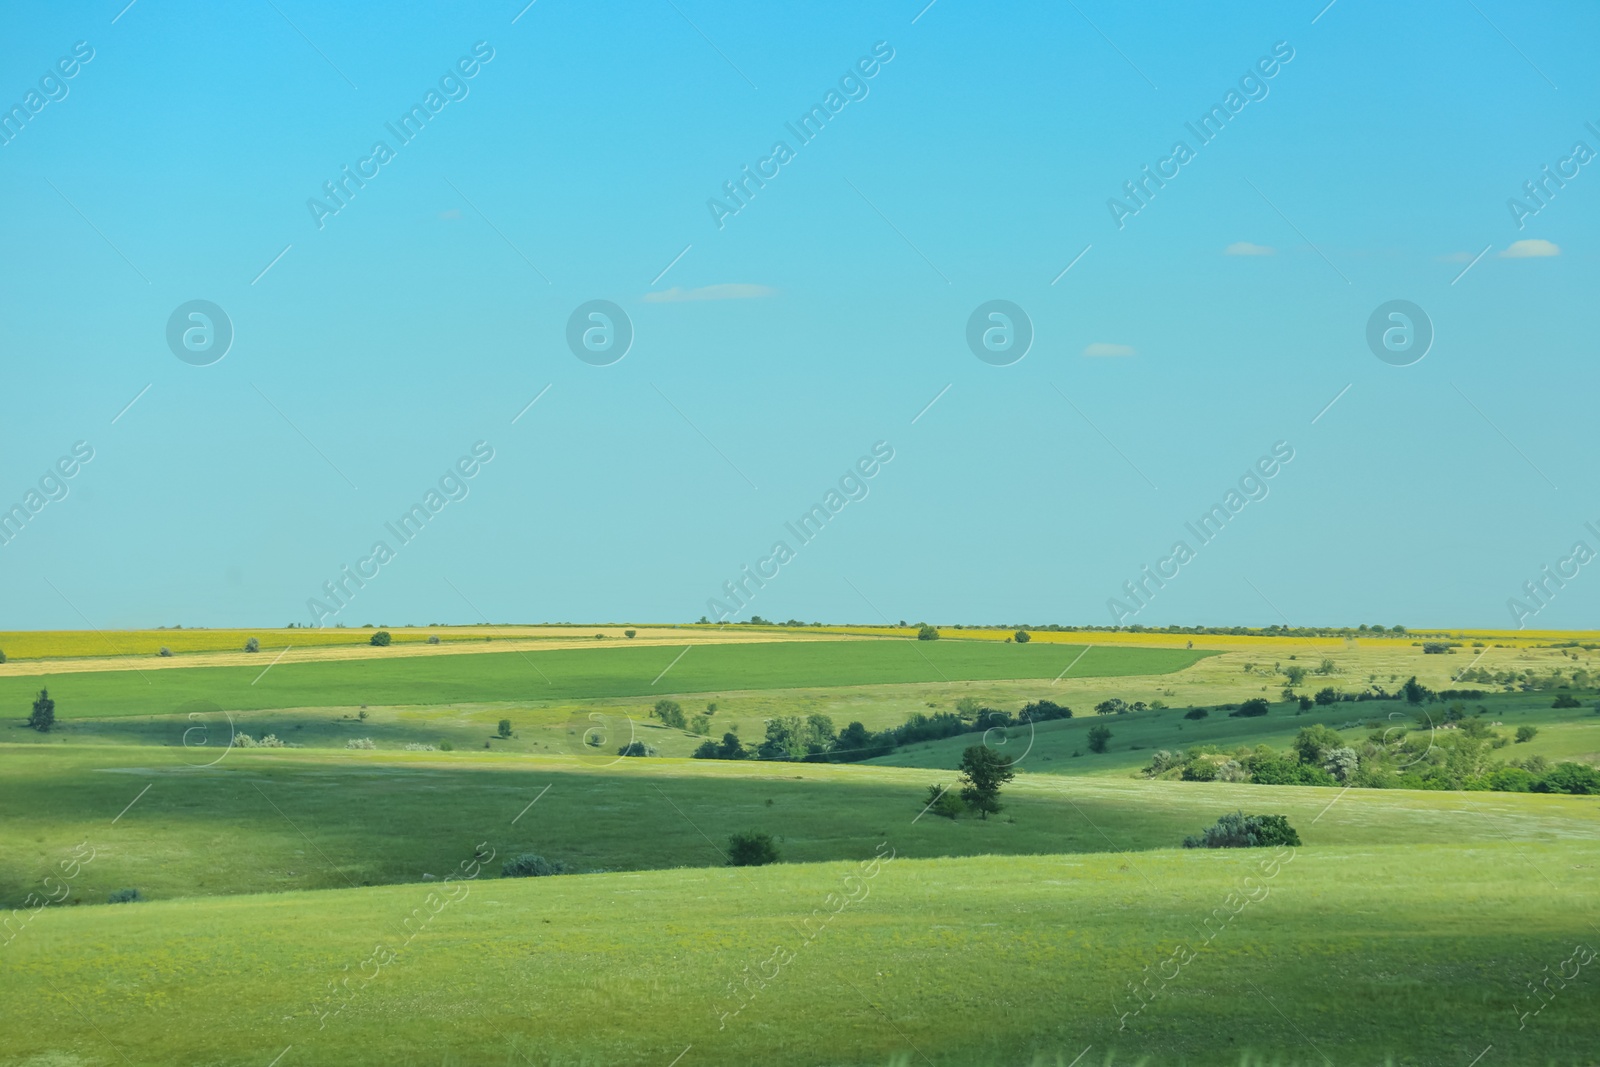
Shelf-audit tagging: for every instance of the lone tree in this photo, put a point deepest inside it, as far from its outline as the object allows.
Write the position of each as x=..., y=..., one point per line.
x=381, y=638
x=670, y=712
x=926, y=632
x=983, y=772
x=505, y=728
x=44, y=712
x=1099, y=738
x=1022, y=637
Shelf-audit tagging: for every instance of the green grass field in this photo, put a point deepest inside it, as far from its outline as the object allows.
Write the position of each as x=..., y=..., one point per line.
x=295, y=911
x=574, y=674
x=1355, y=955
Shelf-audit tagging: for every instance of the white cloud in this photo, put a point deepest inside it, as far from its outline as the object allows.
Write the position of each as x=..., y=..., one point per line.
x=1100, y=348
x=734, y=291
x=1245, y=248
x=1535, y=248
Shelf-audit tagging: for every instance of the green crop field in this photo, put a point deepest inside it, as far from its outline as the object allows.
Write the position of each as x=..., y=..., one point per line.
x=590, y=673
x=325, y=904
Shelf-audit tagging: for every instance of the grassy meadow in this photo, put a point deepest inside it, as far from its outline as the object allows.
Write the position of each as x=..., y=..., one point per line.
x=322, y=904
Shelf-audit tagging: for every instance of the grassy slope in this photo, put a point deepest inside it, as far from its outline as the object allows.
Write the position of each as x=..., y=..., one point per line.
x=1356, y=953
x=287, y=819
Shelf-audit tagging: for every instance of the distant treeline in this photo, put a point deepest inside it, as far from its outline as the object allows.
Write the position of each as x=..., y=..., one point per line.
x=814, y=738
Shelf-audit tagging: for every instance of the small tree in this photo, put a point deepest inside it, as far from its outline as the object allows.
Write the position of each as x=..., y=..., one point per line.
x=381, y=638
x=505, y=728
x=670, y=712
x=1114, y=706
x=2, y=655
x=1023, y=637
x=44, y=712
x=983, y=772
x=751, y=849
x=252, y=645
x=927, y=633
x=629, y=634
x=1526, y=733
x=1099, y=738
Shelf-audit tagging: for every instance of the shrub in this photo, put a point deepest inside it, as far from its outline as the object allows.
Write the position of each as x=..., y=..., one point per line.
x=504, y=730
x=1022, y=637
x=445, y=746
x=1250, y=709
x=1269, y=768
x=1196, y=713
x=730, y=748
x=1526, y=733
x=433, y=639
x=2, y=655
x=942, y=800
x=360, y=742
x=629, y=634
x=252, y=645
x=416, y=746
x=381, y=638
x=44, y=712
x=700, y=724
x=927, y=633
x=1099, y=738
x=1200, y=770
x=637, y=748
x=1509, y=780
x=1239, y=830
x=1040, y=711
x=1566, y=700
x=1577, y=778
x=1326, y=695
x=529, y=865
x=1164, y=760
x=125, y=896
x=165, y=652
x=1341, y=762
x=1313, y=743
x=1232, y=771
x=751, y=849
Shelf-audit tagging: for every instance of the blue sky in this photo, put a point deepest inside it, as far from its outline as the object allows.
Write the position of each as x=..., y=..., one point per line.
x=424, y=316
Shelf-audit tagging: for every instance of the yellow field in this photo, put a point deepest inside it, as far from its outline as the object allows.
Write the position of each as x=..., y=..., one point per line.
x=1221, y=642
x=69, y=644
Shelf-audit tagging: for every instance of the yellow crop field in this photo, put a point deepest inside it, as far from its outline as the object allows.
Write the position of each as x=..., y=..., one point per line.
x=74, y=644
x=1224, y=642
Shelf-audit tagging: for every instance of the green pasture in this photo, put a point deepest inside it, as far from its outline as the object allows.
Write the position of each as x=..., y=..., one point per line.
x=1356, y=954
